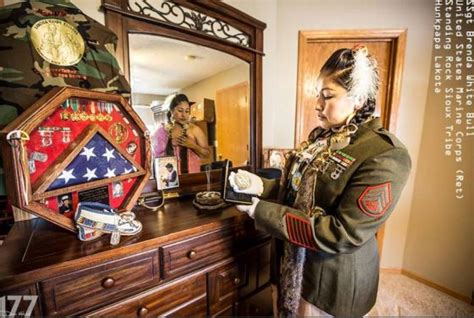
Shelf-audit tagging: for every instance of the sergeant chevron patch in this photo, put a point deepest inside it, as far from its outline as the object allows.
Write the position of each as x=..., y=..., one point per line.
x=300, y=231
x=375, y=200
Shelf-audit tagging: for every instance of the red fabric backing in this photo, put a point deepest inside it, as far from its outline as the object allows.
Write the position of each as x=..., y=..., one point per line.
x=77, y=127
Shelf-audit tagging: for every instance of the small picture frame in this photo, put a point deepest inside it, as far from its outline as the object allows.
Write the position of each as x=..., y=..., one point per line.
x=275, y=157
x=166, y=172
x=117, y=189
x=65, y=204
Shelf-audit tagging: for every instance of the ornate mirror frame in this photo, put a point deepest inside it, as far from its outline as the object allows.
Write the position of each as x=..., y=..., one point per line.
x=209, y=23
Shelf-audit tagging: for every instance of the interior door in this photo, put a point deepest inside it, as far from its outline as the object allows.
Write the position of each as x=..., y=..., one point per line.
x=315, y=47
x=232, y=109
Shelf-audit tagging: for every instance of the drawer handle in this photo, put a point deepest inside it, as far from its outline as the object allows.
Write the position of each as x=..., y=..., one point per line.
x=143, y=311
x=236, y=281
x=192, y=254
x=108, y=282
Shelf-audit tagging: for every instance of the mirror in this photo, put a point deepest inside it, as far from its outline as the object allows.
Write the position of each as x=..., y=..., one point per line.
x=224, y=36
x=194, y=100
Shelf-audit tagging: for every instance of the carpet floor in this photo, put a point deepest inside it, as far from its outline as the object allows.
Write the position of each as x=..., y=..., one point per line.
x=400, y=295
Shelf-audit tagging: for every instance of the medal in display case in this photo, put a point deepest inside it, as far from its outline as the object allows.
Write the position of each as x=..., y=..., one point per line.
x=71, y=146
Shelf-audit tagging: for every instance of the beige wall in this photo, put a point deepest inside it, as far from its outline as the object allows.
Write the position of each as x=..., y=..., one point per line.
x=440, y=241
x=207, y=88
x=146, y=99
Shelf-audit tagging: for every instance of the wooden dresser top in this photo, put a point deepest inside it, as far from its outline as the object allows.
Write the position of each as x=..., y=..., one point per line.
x=36, y=249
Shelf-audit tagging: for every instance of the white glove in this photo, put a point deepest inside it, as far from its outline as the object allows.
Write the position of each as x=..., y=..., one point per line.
x=249, y=209
x=246, y=182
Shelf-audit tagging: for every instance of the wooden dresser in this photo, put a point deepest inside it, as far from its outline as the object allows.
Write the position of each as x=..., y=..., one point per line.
x=183, y=263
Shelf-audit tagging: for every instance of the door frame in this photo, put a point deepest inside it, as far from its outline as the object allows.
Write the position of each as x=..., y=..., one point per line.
x=398, y=39
x=394, y=83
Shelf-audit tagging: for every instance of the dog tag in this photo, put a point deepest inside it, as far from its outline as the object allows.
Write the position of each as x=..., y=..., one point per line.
x=115, y=238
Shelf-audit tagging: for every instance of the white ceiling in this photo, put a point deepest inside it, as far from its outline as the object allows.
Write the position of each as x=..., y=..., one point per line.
x=158, y=65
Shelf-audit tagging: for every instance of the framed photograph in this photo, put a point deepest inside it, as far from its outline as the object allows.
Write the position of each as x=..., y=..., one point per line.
x=166, y=172
x=117, y=189
x=65, y=203
x=274, y=157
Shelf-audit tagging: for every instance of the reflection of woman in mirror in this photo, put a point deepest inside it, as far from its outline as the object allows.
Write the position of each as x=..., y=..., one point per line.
x=181, y=138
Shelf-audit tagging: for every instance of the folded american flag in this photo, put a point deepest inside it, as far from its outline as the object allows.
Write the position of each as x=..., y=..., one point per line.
x=97, y=160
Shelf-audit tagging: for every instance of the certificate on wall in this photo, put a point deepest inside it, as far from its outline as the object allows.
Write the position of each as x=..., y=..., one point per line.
x=166, y=172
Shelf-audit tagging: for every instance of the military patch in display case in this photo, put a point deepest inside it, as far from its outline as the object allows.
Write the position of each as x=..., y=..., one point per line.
x=75, y=145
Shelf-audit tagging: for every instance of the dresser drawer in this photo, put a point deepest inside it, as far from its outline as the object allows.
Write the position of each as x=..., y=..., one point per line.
x=195, y=308
x=225, y=284
x=184, y=297
x=74, y=292
x=197, y=252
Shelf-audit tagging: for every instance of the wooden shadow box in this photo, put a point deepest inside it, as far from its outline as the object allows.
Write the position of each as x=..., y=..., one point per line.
x=75, y=145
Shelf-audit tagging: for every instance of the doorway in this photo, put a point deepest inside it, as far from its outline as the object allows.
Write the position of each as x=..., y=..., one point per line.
x=232, y=109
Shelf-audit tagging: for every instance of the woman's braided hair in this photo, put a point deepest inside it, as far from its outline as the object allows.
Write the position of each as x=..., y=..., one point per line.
x=356, y=71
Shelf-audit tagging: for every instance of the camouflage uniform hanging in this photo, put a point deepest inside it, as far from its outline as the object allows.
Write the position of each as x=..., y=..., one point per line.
x=44, y=44
x=50, y=43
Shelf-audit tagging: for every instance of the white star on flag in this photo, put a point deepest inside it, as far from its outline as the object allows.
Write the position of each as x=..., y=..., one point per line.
x=110, y=173
x=67, y=175
x=126, y=171
x=90, y=174
x=109, y=154
x=88, y=152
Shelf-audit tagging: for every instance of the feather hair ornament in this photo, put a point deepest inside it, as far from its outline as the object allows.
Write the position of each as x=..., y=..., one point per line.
x=168, y=100
x=364, y=77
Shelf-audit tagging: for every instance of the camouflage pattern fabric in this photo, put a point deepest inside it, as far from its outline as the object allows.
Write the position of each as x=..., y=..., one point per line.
x=50, y=43
x=28, y=70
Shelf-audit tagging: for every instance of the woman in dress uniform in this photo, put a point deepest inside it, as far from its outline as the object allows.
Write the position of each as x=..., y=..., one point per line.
x=338, y=189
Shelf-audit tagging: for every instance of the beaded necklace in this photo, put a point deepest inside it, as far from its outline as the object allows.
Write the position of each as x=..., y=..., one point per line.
x=315, y=155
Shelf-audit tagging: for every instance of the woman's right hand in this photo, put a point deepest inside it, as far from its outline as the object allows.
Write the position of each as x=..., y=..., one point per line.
x=176, y=134
x=249, y=209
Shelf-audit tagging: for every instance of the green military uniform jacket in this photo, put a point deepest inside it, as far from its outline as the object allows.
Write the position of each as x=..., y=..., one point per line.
x=358, y=194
